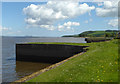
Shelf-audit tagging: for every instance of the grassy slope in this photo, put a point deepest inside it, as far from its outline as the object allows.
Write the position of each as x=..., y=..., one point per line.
x=99, y=63
x=93, y=33
x=97, y=33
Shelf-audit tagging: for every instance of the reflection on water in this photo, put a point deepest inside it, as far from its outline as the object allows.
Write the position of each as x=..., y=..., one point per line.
x=27, y=68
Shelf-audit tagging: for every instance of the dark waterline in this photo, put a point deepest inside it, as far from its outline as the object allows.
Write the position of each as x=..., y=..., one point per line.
x=12, y=70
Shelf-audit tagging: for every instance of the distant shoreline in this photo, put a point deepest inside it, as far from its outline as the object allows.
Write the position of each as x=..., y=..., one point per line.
x=106, y=33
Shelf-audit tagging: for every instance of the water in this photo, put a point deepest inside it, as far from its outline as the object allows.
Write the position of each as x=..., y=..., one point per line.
x=12, y=70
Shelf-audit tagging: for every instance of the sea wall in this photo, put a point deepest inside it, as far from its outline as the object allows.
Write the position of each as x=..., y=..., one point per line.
x=49, y=53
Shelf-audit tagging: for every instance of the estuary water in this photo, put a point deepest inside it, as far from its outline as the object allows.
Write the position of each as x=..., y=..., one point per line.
x=14, y=70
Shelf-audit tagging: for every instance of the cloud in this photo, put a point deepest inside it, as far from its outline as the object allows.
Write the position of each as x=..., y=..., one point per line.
x=71, y=24
x=47, y=14
x=48, y=27
x=90, y=20
x=100, y=4
x=87, y=21
x=113, y=23
x=4, y=28
x=109, y=9
x=67, y=26
x=100, y=0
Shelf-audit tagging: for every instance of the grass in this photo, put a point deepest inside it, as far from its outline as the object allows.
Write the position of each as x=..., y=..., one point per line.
x=98, y=64
x=94, y=33
x=97, y=33
x=96, y=39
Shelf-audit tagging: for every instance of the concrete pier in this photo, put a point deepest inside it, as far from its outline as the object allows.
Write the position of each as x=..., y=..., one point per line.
x=49, y=53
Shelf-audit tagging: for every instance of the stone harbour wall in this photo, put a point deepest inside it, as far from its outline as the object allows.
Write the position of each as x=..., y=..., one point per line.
x=49, y=53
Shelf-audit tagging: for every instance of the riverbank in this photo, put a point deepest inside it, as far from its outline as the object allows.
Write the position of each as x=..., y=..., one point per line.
x=98, y=64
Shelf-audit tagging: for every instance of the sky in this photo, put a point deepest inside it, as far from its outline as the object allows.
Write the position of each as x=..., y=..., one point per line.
x=57, y=18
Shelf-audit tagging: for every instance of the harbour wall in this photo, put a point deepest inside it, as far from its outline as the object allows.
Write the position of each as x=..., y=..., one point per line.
x=47, y=53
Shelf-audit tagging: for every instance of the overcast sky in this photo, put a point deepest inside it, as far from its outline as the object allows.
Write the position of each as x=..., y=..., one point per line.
x=57, y=18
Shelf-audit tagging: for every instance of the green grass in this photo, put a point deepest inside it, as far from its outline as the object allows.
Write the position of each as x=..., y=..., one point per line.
x=98, y=64
x=98, y=33
x=96, y=39
x=94, y=34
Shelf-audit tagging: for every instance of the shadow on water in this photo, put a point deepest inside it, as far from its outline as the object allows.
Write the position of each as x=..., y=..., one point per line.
x=26, y=68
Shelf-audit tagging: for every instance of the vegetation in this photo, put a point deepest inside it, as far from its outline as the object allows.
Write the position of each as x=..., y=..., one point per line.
x=107, y=33
x=98, y=64
x=96, y=39
x=70, y=36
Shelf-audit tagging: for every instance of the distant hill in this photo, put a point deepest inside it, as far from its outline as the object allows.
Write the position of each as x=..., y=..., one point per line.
x=71, y=35
x=106, y=33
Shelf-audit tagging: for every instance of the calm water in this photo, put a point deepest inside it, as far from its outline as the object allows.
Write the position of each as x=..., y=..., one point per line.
x=12, y=70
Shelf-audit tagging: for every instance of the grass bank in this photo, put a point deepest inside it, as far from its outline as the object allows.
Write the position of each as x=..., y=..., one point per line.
x=98, y=64
x=96, y=39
